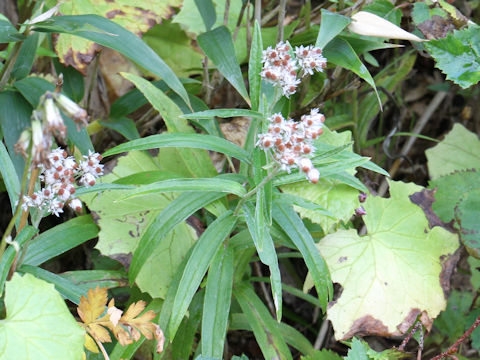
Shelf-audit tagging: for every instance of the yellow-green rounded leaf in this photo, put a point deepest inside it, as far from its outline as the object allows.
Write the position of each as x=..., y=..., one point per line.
x=38, y=325
x=391, y=274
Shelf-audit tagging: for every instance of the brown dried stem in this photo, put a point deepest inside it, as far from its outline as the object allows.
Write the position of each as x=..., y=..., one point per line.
x=454, y=347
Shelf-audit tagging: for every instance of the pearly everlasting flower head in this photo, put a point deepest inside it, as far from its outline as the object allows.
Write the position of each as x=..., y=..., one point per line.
x=281, y=68
x=59, y=174
x=291, y=142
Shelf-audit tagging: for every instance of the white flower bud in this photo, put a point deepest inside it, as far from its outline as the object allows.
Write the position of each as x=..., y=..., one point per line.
x=313, y=175
x=72, y=109
x=365, y=23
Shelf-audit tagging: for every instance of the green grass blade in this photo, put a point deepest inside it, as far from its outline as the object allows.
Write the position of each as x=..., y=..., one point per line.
x=223, y=113
x=9, y=176
x=255, y=66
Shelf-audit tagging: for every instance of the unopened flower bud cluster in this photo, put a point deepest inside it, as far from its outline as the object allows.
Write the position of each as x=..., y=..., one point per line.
x=282, y=70
x=47, y=122
x=291, y=141
x=60, y=178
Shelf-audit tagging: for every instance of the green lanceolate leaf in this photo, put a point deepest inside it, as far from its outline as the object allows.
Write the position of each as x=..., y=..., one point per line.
x=255, y=66
x=264, y=327
x=10, y=178
x=197, y=162
x=458, y=55
x=186, y=184
x=196, y=141
x=177, y=211
x=8, y=33
x=331, y=25
x=26, y=56
x=196, y=267
x=207, y=11
x=107, y=33
x=15, y=114
x=263, y=241
x=216, y=306
x=90, y=279
x=60, y=239
x=293, y=226
x=38, y=323
x=223, y=113
x=102, y=187
x=218, y=46
x=9, y=255
x=65, y=287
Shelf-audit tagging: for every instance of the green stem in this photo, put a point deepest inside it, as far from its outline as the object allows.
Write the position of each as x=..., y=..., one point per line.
x=256, y=188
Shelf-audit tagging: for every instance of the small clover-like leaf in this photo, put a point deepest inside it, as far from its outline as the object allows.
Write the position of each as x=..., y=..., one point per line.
x=38, y=324
x=392, y=274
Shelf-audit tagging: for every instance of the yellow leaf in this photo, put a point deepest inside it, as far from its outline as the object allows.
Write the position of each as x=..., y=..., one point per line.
x=91, y=307
x=90, y=344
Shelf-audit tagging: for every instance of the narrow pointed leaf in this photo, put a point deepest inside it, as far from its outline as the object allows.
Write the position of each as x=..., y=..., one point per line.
x=60, y=239
x=177, y=211
x=187, y=184
x=223, y=113
x=255, y=66
x=107, y=33
x=197, y=141
x=202, y=255
x=218, y=46
x=264, y=327
x=216, y=307
x=9, y=176
x=8, y=33
x=291, y=223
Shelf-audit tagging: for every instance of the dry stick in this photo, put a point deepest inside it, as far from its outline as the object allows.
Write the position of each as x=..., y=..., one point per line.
x=432, y=107
x=454, y=348
x=225, y=14
x=281, y=19
x=269, y=16
x=266, y=293
x=321, y=335
x=258, y=11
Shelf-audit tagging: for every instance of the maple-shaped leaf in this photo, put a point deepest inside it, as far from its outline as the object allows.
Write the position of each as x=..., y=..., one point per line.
x=38, y=324
x=131, y=324
x=391, y=275
x=90, y=309
x=138, y=16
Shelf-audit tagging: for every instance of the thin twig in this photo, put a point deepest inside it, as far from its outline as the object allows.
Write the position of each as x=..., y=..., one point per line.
x=258, y=11
x=225, y=14
x=269, y=16
x=432, y=107
x=409, y=336
x=239, y=21
x=321, y=335
x=454, y=347
x=281, y=19
x=206, y=81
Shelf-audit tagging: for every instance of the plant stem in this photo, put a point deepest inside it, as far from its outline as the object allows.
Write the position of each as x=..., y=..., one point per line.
x=281, y=20
x=256, y=188
x=454, y=347
x=31, y=188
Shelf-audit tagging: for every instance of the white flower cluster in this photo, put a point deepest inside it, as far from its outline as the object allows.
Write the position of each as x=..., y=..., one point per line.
x=281, y=69
x=291, y=141
x=59, y=180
